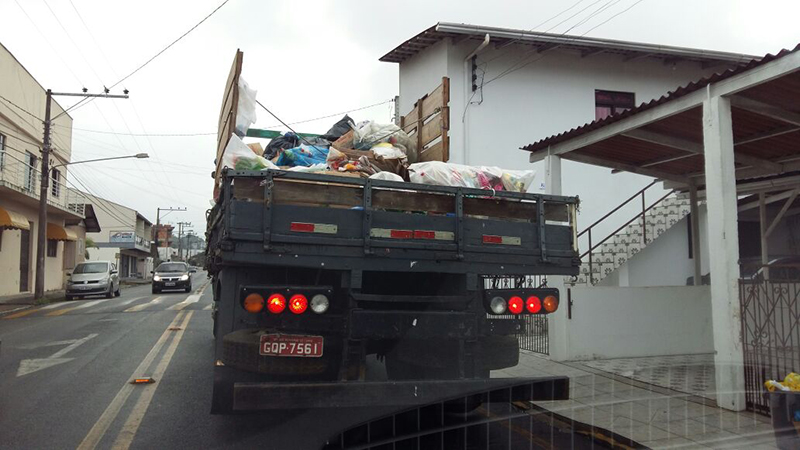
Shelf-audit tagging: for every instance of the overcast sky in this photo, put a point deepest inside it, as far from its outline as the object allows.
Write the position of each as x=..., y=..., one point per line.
x=306, y=59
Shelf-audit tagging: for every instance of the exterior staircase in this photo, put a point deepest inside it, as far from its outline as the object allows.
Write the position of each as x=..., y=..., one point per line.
x=605, y=256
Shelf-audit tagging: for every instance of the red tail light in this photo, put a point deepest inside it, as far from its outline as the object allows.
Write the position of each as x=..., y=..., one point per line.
x=515, y=304
x=276, y=303
x=534, y=304
x=298, y=304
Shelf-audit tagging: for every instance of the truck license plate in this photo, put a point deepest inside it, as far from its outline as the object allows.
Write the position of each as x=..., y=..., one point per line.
x=291, y=345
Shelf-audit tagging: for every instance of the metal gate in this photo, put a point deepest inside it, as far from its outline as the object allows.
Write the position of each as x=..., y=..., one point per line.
x=534, y=336
x=770, y=335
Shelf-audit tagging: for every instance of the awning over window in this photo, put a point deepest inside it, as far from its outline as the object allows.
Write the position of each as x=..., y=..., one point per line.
x=13, y=220
x=59, y=233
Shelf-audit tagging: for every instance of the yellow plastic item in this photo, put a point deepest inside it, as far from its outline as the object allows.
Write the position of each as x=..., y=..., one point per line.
x=773, y=386
x=792, y=381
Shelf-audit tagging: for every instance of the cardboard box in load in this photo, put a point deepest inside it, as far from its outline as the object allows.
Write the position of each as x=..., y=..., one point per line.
x=256, y=148
x=344, y=142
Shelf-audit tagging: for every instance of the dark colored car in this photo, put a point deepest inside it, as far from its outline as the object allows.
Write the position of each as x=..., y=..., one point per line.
x=172, y=275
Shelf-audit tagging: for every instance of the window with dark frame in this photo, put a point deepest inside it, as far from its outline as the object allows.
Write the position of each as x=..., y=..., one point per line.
x=52, y=248
x=2, y=150
x=607, y=103
x=55, y=188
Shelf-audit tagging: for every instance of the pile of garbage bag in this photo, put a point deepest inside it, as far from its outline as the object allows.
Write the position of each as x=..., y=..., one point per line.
x=790, y=383
x=363, y=149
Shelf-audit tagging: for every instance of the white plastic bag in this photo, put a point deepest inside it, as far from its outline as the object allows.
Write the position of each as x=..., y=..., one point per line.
x=239, y=156
x=490, y=178
x=388, y=176
x=368, y=133
x=246, y=109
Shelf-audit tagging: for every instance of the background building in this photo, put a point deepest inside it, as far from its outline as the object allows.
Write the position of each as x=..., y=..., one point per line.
x=22, y=109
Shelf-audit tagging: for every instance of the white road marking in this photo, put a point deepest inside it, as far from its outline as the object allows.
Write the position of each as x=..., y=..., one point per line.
x=53, y=305
x=79, y=306
x=152, y=302
x=112, y=411
x=27, y=366
x=128, y=431
x=194, y=298
x=207, y=308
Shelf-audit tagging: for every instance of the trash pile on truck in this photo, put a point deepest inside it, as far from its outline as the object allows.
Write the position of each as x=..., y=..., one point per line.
x=365, y=149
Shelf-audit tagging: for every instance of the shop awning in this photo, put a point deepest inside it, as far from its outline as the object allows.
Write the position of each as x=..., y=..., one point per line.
x=13, y=220
x=59, y=233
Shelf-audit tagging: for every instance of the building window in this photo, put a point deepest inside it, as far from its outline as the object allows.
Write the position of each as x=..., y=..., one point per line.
x=52, y=248
x=2, y=150
x=607, y=103
x=30, y=171
x=55, y=188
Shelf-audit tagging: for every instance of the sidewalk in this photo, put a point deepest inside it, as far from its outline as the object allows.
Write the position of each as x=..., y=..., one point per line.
x=653, y=416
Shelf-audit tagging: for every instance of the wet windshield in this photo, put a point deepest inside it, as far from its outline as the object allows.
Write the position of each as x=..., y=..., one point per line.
x=172, y=267
x=91, y=268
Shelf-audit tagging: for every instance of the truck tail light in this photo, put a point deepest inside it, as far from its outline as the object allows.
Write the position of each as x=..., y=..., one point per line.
x=534, y=304
x=515, y=304
x=276, y=303
x=550, y=303
x=298, y=304
x=497, y=305
x=254, y=303
x=320, y=303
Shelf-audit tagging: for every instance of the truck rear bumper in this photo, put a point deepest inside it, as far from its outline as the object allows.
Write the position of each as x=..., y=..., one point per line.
x=275, y=396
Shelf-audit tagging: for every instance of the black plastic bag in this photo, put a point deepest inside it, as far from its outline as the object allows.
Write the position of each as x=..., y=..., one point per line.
x=288, y=140
x=339, y=128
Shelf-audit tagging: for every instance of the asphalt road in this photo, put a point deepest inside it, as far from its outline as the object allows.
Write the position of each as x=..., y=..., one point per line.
x=65, y=372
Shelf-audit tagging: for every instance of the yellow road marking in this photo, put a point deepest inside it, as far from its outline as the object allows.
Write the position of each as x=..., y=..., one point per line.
x=80, y=306
x=101, y=426
x=128, y=432
x=152, y=302
x=33, y=310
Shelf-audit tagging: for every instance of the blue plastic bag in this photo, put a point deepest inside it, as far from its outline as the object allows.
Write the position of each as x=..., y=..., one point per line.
x=304, y=155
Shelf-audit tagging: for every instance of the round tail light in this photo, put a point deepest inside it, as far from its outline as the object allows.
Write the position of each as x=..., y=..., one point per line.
x=497, y=305
x=515, y=304
x=276, y=303
x=550, y=303
x=298, y=304
x=534, y=304
x=320, y=303
x=253, y=303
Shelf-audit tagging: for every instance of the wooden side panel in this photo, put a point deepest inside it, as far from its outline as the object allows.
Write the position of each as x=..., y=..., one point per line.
x=227, y=113
x=429, y=121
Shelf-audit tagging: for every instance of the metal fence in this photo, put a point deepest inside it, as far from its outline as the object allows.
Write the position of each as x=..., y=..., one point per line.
x=770, y=335
x=22, y=177
x=534, y=336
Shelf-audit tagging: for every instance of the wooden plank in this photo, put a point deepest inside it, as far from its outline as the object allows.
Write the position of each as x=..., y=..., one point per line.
x=431, y=131
x=410, y=120
x=432, y=102
x=445, y=119
x=433, y=153
x=319, y=194
x=227, y=115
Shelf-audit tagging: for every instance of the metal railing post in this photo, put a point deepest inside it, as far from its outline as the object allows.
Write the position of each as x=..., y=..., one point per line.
x=591, y=272
x=644, y=222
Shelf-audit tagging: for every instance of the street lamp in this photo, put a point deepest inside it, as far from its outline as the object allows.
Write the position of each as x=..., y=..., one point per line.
x=72, y=163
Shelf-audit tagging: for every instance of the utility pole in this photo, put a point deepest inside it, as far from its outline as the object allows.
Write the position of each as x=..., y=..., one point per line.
x=44, y=185
x=158, y=223
x=180, y=233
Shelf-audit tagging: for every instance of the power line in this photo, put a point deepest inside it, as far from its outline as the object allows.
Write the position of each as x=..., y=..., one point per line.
x=21, y=109
x=145, y=134
x=48, y=43
x=88, y=30
x=171, y=44
x=514, y=69
x=337, y=114
x=80, y=52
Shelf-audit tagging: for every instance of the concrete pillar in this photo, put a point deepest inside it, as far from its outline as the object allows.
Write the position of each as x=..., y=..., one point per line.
x=552, y=175
x=723, y=241
x=558, y=323
x=695, y=224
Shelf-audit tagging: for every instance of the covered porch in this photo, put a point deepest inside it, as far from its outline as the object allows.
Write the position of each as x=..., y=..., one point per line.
x=732, y=142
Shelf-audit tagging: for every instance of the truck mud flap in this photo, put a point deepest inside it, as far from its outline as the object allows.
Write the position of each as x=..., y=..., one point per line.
x=399, y=394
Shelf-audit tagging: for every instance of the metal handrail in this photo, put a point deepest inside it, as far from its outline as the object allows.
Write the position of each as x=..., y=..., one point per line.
x=617, y=208
x=642, y=214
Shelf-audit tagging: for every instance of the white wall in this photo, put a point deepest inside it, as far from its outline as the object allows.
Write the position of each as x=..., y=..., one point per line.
x=550, y=96
x=613, y=322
